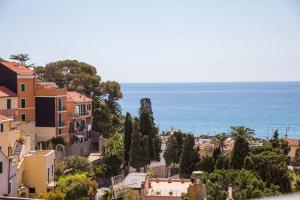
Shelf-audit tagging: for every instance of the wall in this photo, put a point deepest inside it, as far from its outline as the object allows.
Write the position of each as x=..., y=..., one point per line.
x=29, y=95
x=8, y=137
x=4, y=174
x=45, y=133
x=29, y=129
x=79, y=149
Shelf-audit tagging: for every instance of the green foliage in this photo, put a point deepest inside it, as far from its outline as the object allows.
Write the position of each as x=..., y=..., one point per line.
x=113, y=164
x=245, y=185
x=216, y=153
x=147, y=127
x=241, y=131
x=77, y=163
x=72, y=187
x=189, y=156
x=206, y=164
x=145, y=151
x=130, y=196
x=2, y=60
x=271, y=167
x=297, y=156
x=240, y=151
x=280, y=144
x=222, y=162
x=136, y=158
x=220, y=141
x=115, y=146
x=128, y=129
x=173, y=150
x=21, y=58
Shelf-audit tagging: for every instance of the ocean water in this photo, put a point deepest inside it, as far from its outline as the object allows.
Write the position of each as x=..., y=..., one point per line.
x=211, y=108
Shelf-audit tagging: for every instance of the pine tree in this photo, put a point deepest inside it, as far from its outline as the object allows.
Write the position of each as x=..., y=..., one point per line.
x=145, y=152
x=136, y=157
x=127, y=137
x=147, y=128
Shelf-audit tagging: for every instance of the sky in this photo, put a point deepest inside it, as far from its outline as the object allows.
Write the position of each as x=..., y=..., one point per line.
x=159, y=40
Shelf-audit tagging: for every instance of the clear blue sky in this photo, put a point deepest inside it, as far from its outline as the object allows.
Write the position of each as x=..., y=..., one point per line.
x=160, y=40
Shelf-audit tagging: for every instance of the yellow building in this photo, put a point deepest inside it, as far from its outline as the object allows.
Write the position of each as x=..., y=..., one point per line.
x=36, y=173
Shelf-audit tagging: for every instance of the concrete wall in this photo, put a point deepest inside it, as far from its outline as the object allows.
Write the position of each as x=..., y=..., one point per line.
x=28, y=129
x=45, y=133
x=79, y=149
x=4, y=174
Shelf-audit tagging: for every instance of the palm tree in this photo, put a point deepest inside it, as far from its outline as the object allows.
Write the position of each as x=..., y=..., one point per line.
x=219, y=140
x=242, y=131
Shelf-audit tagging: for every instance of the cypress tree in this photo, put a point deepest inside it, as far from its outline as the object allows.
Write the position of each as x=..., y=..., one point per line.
x=136, y=156
x=189, y=157
x=145, y=151
x=127, y=137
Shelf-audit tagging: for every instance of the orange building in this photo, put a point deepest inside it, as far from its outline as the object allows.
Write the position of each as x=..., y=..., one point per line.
x=8, y=103
x=20, y=80
x=51, y=113
x=80, y=118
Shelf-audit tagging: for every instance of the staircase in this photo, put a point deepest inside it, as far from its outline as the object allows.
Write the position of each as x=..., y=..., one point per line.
x=18, y=150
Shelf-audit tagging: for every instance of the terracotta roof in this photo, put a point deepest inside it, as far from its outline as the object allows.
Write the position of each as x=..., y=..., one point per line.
x=5, y=92
x=293, y=142
x=18, y=68
x=76, y=97
x=2, y=118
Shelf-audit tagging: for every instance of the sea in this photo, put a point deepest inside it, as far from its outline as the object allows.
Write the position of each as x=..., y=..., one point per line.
x=212, y=108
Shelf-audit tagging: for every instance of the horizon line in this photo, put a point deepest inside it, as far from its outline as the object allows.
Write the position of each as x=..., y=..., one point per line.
x=298, y=81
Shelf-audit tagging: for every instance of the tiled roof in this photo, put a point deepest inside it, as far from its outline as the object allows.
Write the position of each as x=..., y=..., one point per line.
x=5, y=92
x=17, y=68
x=134, y=180
x=76, y=97
x=2, y=118
x=293, y=142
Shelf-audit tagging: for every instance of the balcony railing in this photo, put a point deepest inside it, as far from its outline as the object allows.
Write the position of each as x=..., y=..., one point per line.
x=79, y=114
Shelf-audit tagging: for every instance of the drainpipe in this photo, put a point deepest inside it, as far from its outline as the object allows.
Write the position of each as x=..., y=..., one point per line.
x=8, y=177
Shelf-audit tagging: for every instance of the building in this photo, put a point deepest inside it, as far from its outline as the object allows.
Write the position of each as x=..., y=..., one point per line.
x=294, y=144
x=20, y=80
x=8, y=103
x=22, y=172
x=36, y=173
x=51, y=113
x=79, y=108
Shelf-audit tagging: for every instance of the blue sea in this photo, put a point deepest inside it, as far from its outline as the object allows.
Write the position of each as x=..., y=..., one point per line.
x=211, y=108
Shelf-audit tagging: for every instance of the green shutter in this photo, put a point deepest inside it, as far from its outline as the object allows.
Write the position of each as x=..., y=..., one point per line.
x=1, y=167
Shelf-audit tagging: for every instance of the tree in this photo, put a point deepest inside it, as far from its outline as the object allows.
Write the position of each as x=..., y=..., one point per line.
x=206, y=164
x=147, y=127
x=21, y=58
x=219, y=140
x=145, y=152
x=222, y=162
x=216, y=153
x=115, y=146
x=170, y=154
x=113, y=164
x=271, y=167
x=136, y=158
x=245, y=185
x=242, y=131
x=127, y=137
x=77, y=186
x=280, y=144
x=2, y=60
x=240, y=151
x=77, y=163
x=189, y=156
x=297, y=156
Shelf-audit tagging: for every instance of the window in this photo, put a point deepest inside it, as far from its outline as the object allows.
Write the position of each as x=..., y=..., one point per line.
x=60, y=124
x=23, y=87
x=59, y=105
x=8, y=104
x=31, y=190
x=1, y=167
x=23, y=117
x=52, y=169
x=9, y=187
x=48, y=174
x=1, y=128
x=23, y=103
x=59, y=131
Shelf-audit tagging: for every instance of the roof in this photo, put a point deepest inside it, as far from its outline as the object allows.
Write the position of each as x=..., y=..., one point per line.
x=134, y=180
x=293, y=142
x=5, y=92
x=76, y=97
x=18, y=68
